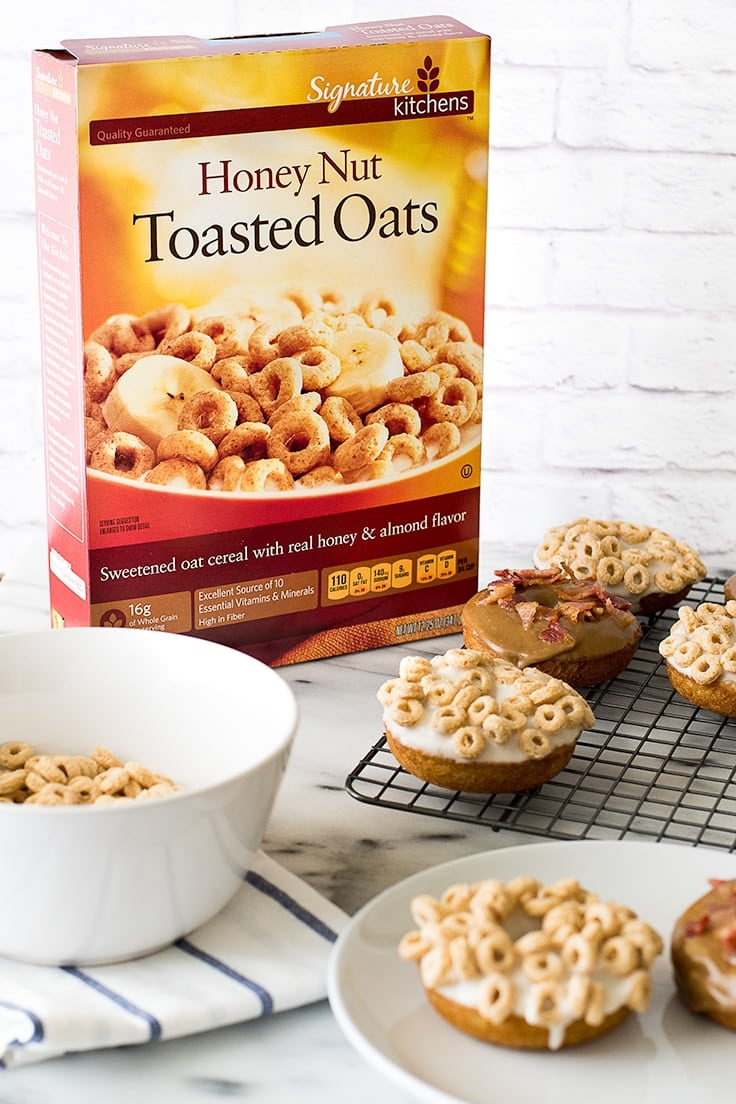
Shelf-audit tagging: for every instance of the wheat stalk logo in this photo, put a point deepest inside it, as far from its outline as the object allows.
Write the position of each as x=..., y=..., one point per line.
x=428, y=76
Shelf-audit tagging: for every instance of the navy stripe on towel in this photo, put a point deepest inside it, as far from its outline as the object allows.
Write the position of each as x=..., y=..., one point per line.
x=37, y=1035
x=270, y=890
x=154, y=1026
x=217, y=964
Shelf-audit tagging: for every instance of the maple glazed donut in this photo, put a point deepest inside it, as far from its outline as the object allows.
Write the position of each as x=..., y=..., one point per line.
x=646, y=566
x=573, y=629
x=524, y=965
x=700, y=653
x=703, y=953
x=468, y=721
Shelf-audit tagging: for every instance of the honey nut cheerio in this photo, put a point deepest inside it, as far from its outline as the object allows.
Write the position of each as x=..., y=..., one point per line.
x=28, y=777
x=522, y=964
x=700, y=654
x=645, y=565
x=469, y=721
x=312, y=382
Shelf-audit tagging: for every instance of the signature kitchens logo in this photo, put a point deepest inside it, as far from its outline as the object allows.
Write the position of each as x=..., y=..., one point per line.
x=410, y=99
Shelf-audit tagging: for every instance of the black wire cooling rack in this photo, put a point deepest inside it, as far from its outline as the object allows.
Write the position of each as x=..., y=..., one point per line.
x=653, y=766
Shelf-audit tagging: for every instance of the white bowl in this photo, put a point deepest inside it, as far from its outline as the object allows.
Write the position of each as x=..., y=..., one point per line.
x=102, y=883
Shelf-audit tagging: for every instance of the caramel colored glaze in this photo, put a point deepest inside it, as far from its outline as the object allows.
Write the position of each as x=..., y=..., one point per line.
x=504, y=634
x=704, y=969
x=514, y=1031
x=729, y=588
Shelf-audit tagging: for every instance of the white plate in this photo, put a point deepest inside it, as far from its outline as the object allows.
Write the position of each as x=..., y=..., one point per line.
x=664, y=1054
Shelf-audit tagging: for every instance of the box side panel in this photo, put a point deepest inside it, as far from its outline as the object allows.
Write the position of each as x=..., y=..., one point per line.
x=56, y=195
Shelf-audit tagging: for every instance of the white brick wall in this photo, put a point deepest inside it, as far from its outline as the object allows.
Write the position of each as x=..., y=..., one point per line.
x=611, y=295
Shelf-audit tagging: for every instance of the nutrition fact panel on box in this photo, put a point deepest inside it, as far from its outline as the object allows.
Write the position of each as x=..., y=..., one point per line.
x=436, y=565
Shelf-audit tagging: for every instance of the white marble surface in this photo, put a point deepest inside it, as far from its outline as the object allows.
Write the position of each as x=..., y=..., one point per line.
x=348, y=850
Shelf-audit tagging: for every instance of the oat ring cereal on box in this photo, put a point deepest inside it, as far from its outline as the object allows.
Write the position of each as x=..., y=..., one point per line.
x=121, y=454
x=300, y=440
x=527, y=965
x=352, y=368
x=211, y=411
x=177, y=472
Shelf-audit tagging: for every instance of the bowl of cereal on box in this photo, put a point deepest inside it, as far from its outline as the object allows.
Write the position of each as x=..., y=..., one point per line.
x=137, y=772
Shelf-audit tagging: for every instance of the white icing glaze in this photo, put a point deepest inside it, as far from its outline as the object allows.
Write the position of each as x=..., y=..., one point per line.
x=423, y=737
x=616, y=992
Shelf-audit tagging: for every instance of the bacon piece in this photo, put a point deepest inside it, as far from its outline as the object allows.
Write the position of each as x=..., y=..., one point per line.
x=727, y=938
x=496, y=591
x=697, y=927
x=527, y=611
x=555, y=633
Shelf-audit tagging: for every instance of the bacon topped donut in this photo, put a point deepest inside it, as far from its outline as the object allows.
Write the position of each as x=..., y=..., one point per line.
x=573, y=629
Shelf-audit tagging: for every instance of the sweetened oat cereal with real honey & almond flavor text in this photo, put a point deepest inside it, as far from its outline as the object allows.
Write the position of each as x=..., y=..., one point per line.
x=263, y=420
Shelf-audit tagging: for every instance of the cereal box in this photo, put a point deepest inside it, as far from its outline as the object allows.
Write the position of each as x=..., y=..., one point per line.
x=261, y=265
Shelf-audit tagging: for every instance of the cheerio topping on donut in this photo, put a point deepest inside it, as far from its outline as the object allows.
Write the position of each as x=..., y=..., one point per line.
x=552, y=955
x=471, y=707
x=628, y=559
x=702, y=643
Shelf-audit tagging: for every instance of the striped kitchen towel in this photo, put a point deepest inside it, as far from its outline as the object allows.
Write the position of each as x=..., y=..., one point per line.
x=267, y=951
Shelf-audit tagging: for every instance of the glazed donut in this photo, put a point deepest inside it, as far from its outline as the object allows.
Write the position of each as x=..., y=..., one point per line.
x=248, y=440
x=524, y=724
x=645, y=565
x=572, y=629
x=729, y=588
x=212, y=412
x=700, y=654
x=179, y=473
x=301, y=440
x=524, y=965
x=702, y=954
x=122, y=454
x=188, y=444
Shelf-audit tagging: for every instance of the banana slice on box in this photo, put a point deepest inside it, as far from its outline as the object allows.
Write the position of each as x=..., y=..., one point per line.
x=370, y=360
x=147, y=399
